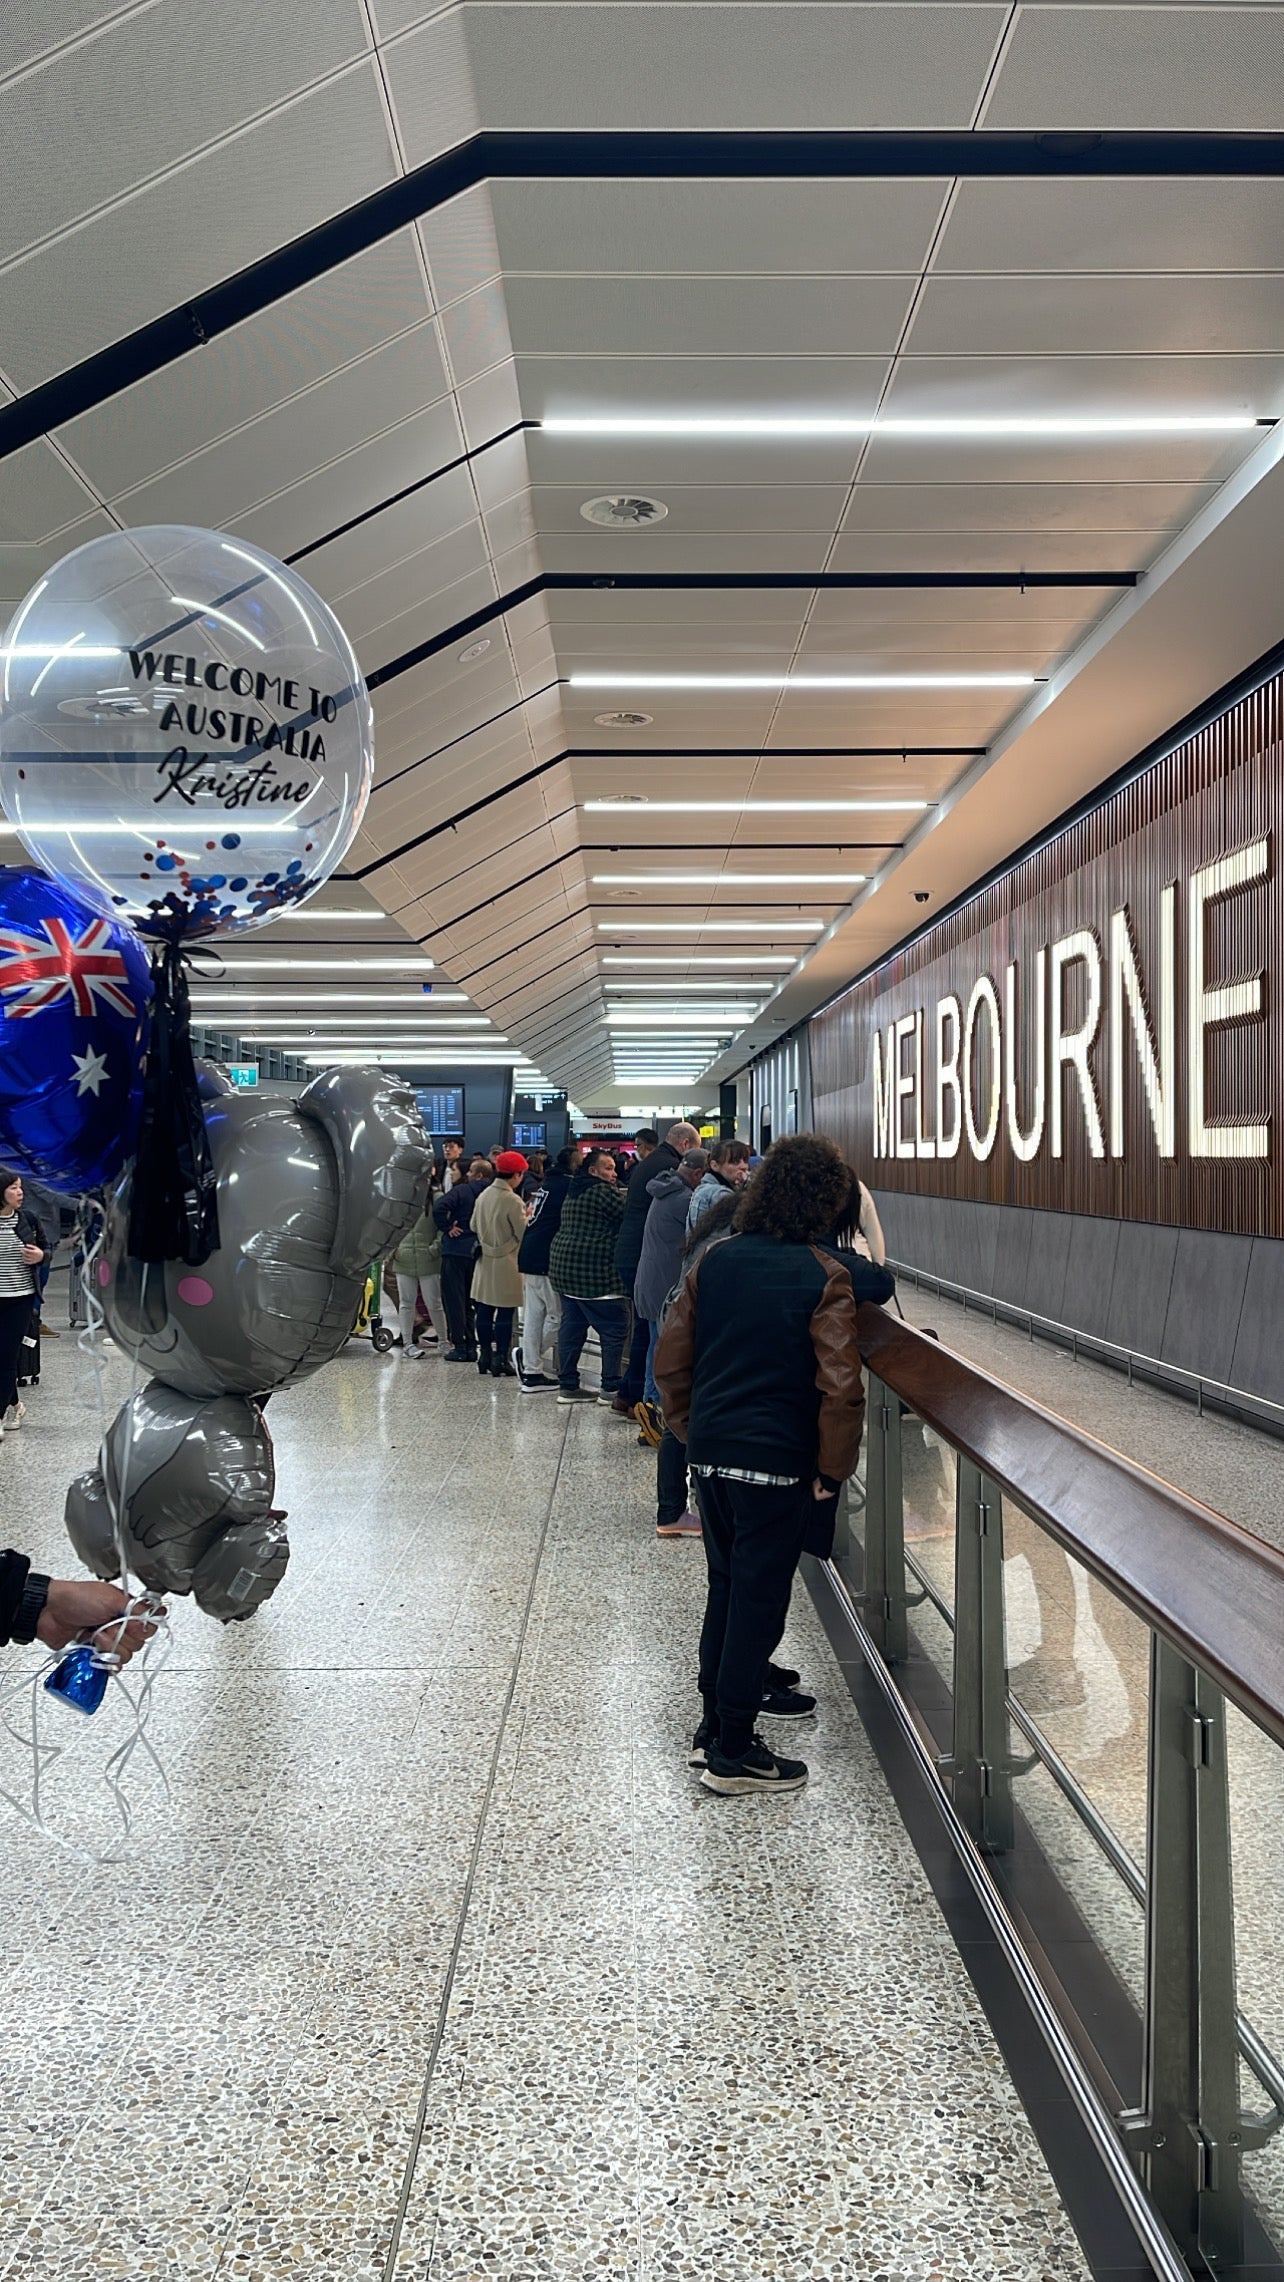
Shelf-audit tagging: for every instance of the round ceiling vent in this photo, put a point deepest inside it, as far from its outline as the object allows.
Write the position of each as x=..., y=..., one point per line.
x=624, y=511
x=624, y=895
x=624, y=721
x=474, y=650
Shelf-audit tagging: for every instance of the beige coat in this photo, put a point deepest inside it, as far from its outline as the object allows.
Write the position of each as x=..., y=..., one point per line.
x=499, y=1224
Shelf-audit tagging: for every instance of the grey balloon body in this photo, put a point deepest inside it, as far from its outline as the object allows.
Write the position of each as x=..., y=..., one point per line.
x=193, y=1483
x=309, y=1193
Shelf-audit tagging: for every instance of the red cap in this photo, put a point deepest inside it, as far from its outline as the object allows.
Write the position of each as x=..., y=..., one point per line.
x=510, y=1161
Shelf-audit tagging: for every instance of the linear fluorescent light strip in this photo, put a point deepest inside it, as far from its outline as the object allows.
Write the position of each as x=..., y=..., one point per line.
x=755, y=807
x=691, y=959
x=284, y=999
x=621, y=678
x=672, y=997
x=1046, y=425
x=729, y=879
x=361, y=965
x=710, y=927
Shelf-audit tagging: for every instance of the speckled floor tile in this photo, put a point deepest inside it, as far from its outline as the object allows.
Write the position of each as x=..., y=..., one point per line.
x=680, y=2037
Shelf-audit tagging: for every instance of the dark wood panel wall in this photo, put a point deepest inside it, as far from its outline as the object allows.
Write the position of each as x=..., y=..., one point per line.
x=1098, y=1031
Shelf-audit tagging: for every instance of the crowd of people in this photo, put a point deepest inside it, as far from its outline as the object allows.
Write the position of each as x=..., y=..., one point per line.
x=722, y=1292
x=737, y=1360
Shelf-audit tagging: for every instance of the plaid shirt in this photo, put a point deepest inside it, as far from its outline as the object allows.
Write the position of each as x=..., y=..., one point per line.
x=581, y=1261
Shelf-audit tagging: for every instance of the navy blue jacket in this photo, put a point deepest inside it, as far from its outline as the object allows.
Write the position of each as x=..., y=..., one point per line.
x=544, y=1222
x=456, y=1206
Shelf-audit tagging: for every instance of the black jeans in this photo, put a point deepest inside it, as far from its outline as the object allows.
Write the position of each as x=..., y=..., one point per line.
x=15, y=1315
x=456, y=1291
x=670, y=1478
x=752, y=1539
x=635, y=1370
x=494, y=1328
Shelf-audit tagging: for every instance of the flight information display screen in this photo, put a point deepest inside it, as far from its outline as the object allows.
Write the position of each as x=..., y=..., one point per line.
x=441, y=1108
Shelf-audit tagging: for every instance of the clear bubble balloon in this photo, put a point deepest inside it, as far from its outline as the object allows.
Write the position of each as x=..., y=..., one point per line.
x=185, y=735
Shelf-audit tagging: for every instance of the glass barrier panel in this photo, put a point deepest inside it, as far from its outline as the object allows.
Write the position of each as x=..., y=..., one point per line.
x=1256, y=1767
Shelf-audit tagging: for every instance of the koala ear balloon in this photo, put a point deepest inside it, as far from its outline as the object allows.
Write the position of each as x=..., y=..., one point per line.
x=383, y=1156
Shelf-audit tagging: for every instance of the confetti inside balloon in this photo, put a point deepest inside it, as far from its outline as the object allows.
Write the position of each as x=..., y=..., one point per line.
x=73, y=1025
x=185, y=735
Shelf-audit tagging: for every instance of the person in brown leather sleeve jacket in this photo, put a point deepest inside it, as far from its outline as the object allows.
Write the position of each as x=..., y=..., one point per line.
x=759, y=1373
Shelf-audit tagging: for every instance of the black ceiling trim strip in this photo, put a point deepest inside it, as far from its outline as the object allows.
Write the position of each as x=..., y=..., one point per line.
x=514, y=950
x=435, y=643
x=493, y=855
x=772, y=753
x=615, y=157
x=532, y=982
x=692, y=582
x=517, y=706
x=751, y=582
x=460, y=816
x=444, y=925
x=407, y=491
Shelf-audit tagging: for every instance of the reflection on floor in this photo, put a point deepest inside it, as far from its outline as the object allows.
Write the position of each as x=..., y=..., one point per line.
x=438, y=1961
x=1078, y=1661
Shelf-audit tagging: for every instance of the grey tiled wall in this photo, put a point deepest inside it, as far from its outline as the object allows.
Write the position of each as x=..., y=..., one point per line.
x=1188, y=1297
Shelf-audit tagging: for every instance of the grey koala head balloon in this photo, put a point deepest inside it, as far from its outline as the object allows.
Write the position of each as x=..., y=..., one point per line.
x=310, y=1192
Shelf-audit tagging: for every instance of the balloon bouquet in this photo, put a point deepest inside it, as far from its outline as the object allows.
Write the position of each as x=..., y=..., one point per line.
x=186, y=750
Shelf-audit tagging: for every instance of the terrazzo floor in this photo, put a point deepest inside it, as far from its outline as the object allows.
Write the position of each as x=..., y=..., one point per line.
x=437, y=1961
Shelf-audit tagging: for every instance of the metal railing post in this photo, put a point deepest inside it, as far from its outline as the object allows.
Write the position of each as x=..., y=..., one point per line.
x=980, y=1762
x=1190, y=2133
x=885, y=1598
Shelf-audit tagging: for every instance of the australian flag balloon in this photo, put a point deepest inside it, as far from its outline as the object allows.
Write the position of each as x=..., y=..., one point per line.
x=74, y=991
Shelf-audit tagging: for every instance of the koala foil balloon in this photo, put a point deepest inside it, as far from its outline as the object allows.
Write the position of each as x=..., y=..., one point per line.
x=309, y=1193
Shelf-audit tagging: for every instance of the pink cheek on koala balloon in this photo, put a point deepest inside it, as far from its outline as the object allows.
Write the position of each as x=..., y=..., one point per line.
x=104, y=1275
x=195, y=1292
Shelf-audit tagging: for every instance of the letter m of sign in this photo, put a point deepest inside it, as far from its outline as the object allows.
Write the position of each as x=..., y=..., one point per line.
x=884, y=1091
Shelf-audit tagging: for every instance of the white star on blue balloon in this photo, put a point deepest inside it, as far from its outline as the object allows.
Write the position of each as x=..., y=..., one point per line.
x=90, y=1069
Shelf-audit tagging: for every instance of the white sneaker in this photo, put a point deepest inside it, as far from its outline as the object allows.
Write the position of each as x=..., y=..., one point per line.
x=412, y=1354
x=14, y=1416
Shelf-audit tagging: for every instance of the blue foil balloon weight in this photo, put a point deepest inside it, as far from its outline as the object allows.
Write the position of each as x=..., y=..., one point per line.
x=79, y=1680
x=74, y=990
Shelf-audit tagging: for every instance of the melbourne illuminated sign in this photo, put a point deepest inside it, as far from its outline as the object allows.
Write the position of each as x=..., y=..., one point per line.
x=1014, y=1061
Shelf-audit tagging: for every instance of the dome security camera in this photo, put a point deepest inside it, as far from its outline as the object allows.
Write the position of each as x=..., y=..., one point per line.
x=922, y=895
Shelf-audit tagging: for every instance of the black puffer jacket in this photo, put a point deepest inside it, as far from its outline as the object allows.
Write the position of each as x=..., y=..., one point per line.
x=544, y=1222
x=637, y=1204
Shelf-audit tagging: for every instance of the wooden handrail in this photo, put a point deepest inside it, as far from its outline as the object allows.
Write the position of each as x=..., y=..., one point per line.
x=1209, y=1586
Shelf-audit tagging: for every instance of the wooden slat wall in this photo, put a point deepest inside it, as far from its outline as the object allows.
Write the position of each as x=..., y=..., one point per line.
x=1221, y=790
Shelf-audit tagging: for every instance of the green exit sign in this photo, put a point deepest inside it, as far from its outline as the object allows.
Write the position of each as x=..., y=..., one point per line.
x=243, y=1073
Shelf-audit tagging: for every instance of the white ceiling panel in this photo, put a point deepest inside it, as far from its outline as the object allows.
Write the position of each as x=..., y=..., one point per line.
x=1039, y=316
x=280, y=448
x=710, y=229
x=597, y=464
x=946, y=507
x=245, y=372
x=1168, y=70
x=658, y=549
x=40, y=494
x=21, y=566
x=1127, y=224
x=430, y=81
x=93, y=123
x=817, y=68
x=1030, y=550
x=393, y=536
x=708, y=316
x=447, y=573
x=476, y=330
x=1086, y=460
x=33, y=28
x=488, y=405
x=737, y=508
x=203, y=223
x=1088, y=384
x=350, y=486
x=460, y=245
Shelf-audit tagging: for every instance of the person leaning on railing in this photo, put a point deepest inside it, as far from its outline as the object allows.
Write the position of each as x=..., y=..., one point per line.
x=759, y=1374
